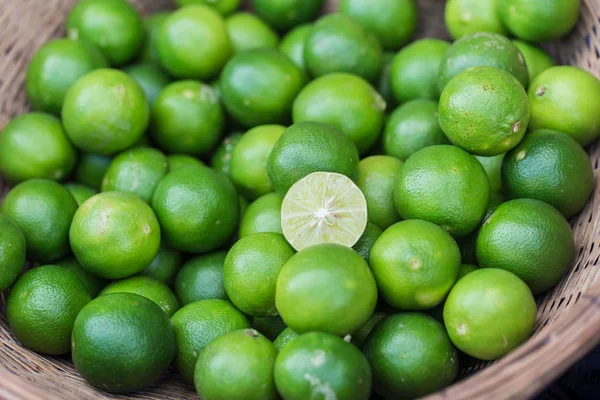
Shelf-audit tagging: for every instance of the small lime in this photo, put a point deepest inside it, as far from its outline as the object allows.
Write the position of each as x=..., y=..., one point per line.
x=367, y=240
x=12, y=252
x=292, y=45
x=152, y=26
x=92, y=282
x=536, y=59
x=80, y=191
x=221, y=158
x=201, y=278
x=284, y=338
x=153, y=290
x=223, y=7
x=247, y=32
x=360, y=335
x=493, y=168
x=262, y=215
x=91, y=168
x=164, y=265
x=151, y=79
x=464, y=17
x=287, y=14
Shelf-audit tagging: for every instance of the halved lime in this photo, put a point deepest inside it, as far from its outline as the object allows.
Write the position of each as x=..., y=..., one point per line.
x=323, y=207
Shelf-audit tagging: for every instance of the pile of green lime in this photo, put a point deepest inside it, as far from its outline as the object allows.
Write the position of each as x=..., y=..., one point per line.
x=236, y=194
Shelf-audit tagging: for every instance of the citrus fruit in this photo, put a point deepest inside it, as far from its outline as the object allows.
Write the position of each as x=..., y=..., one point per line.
x=271, y=327
x=201, y=278
x=540, y=232
x=464, y=17
x=152, y=25
x=310, y=281
x=338, y=43
x=105, y=112
x=224, y=7
x=415, y=70
x=93, y=283
x=284, y=338
x=564, y=99
x=489, y=312
x=321, y=208
x=493, y=168
x=384, y=83
x=346, y=102
x=367, y=240
x=377, y=177
x=12, y=252
x=412, y=126
x=292, y=45
x=437, y=312
x=177, y=201
x=415, y=264
x=164, y=265
x=21, y=144
x=483, y=49
x=468, y=121
x=55, y=67
x=198, y=324
x=91, y=168
x=252, y=378
x=393, y=21
x=262, y=215
x=150, y=77
x=42, y=306
x=117, y=325
x=112, y=25
x=259, y=87
x=247, y=32
x=552, y=167
x=536, y=59
x=176, y=161
x=445, y=185
x=221, y=158
x=114, y=235
x=287, y=14
x=250, y=158
x=80, y=191
x=360, y=335
x=153, y=290
x=43, y=210
x=178, y=38
x=251, y=270
x=539, y=20
x=411, y=356
x=321, y=365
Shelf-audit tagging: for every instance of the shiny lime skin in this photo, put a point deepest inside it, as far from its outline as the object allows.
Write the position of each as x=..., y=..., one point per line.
x=287, y=14
x=136, y=171
x=318, y=363
x=445, y=185
x=176, y=161
x=536, y=59
x=337, y=43
x=119, y=324
x=105, y=112
x=34, y=145
x=223, y=7
x=259, y=87
x=262, y=215
x=152, y=25
x=55, y=67
x=42, y=306
x=12, y=252
x=80, y=191
x=489, y=312
x=91, y=168
x=92, y=282
x=247, y=32
x=411, y=356
x=346, y=102
x=114, y=26
x=552, y=167
x=221, y=158
x=151, y=78
x=367, y=240
x=411, y=127
x=114, y=235
x=284, y=338
x=463, y=17
x=292, y=45
x=198, y=209
x=178, y=39
x=43, y=210
x=201, y=278
x=164, y=265
x=493, y=168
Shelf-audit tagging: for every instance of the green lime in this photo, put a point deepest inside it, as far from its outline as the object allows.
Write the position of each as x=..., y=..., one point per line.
x=313, y=277
x=384, y=83
x=80, y=191
x=247, y=32
x=415, y=264
x=112, y=25
x=12, y=252
x=309, y=147
x=146, y=287
x=176, y=161
x=292, y=45
x=466, y=269
x=179, y=196
x=411, y=356
x=338, y=43
x=377, y=177
x=164, y=265
x=91, y=168
x=284, y=338
x=122, y=343
x=464, y=17
x=251, y=270
x=552, y=167
x=284, y=15
x=198, y=324
x=152, y=26
x=540, y=232
x=43, y=210
x=250, y=158
x=252, y=378
x=262, y=215
x=493, y=168
x=187, y=118
x=321, y=365
x=114, y=235
x=105, y=112
x=223, y=7
x=42, y=306
x=539, y=20
x=221, y=158
x=536, y=59
x=346, y=102
x=489, y=312
x=564, y=99
x=437, y=312
x=367, y=240
x=259, y=87
x=415, y=70
x=271, y=327
x=482, y=49
x=445, y=185
x=201, y=278
x=360, y=335
x=55, y=67
x=468, y=120
x=21, y=144
x=151, y=79
x=93, y=283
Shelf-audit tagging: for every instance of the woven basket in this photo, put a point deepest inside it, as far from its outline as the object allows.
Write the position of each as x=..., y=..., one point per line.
x=568, y=321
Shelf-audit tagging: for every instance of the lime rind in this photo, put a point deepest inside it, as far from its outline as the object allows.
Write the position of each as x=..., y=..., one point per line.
x=323, y=207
